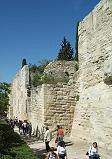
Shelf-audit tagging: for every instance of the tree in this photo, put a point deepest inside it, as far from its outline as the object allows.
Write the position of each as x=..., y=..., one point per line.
x=24, y=62
x=39, y=68
x=4, y=96
x=66, y=52
x=76, y=43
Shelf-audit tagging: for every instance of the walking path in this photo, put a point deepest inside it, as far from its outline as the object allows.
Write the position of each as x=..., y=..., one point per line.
x=74, y=150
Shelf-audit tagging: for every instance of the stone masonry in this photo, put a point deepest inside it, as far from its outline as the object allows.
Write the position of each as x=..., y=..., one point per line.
x=84, y=104
x=93, y=112
x=18, y=97
x=48, y=104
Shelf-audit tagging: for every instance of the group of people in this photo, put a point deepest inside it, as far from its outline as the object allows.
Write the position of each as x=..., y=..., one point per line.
x=60, y=151
x=25, y=127
x=60, y=144
x=53, y=153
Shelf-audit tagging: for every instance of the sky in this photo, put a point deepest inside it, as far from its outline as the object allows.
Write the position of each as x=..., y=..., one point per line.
x=34, y=29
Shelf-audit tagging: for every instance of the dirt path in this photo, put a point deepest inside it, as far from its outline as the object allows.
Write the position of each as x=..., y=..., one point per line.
x=74, y=150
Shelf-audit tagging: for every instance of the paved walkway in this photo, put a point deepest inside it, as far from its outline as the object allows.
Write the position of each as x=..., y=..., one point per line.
x=74, y=150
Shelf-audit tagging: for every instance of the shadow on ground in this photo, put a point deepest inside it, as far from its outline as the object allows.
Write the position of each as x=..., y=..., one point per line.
x=68, y=143
x=40, y=153
x=30, y=140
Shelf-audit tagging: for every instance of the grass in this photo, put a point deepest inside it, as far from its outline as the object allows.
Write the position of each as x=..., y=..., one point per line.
x=2, y=121
x=21, y=149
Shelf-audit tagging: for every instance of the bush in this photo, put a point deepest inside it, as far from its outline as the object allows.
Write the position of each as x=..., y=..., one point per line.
x=39, y=68
x=36, y=81
x=48, y=79
x=8, y=138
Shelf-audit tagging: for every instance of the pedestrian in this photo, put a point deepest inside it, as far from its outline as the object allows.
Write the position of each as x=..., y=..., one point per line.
x=61, y=151
x=30, y=129
x=24, y=127
x=93, y=151
x=51, y=154
x=60, y=134
x=20, y=125
x=47, y=138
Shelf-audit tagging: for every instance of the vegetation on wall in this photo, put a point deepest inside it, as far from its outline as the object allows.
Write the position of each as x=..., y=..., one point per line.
x=66, y=52
x=46, y=78
x=39, y=68
x=4, y=96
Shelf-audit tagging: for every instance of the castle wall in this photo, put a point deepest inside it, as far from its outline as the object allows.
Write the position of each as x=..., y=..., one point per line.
x=60, y=101
x=36, y=116
x=93, y=112
x=53, y=104
x=48, y=104
x=60, y=68
x=18, y=97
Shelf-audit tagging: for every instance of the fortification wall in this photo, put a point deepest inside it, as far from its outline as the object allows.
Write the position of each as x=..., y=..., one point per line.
x=18, y=97
x=48, y=104
x=36, y=116
x=60, y=101
x=53, y=104
x=61, y=68
x=93, y=112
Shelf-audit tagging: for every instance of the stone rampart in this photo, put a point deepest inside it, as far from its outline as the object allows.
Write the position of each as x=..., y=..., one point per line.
x=93, y=112
x=18, y=97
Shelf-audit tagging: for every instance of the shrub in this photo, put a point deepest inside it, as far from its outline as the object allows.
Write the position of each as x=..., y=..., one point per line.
x=36, y=80
x=8, y=138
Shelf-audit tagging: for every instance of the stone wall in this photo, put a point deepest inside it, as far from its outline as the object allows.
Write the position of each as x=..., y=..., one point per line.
x=60, y=101
x=61, y=68
x=85, y=105
x=52, y=104
x=93, y=112
x=48, y=104
x=36, y=116
x=18, y=98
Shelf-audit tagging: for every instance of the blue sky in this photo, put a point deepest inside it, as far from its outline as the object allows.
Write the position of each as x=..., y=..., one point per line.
x=34, y=29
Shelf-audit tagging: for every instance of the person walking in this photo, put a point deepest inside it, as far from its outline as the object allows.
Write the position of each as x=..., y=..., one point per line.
x=47, y=138
x=24, y=127
x=51, y=154
x=60, y=134
x=30, y=129
x=61, y=151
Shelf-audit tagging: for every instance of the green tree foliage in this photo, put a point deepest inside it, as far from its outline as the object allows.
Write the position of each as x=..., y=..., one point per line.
x=7, y=137
x=66, y=52
x=33, y=68
x=76, y=43
x=43, y=63
x=48, y=79
x=36, y=81
x=39, y=68
x=24, y=62
x=4, y=98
